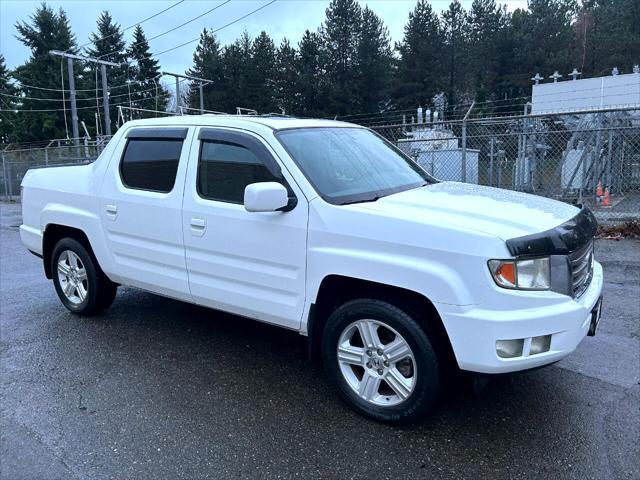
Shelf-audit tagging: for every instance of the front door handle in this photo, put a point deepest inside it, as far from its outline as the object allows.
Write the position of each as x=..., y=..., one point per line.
x=198, y=225
x=112, y=211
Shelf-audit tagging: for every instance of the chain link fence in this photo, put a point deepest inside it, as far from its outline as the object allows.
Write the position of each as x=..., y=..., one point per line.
x=18, y=158
x=588, y=157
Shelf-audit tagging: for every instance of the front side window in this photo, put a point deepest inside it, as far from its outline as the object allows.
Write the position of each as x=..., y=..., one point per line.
x=151, y=164
x=226, y=168
x=349, y=165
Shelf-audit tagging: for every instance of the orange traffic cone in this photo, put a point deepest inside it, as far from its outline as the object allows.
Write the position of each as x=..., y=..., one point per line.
x=606, y=202
x=599, y=190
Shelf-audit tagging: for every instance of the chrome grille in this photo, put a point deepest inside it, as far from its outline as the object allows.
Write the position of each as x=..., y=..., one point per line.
x=581, y=268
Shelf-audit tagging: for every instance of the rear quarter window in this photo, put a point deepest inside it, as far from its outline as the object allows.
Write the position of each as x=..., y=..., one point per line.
x=150, y=164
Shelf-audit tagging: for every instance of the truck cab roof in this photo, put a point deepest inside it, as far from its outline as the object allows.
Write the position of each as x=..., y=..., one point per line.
x=249, y=122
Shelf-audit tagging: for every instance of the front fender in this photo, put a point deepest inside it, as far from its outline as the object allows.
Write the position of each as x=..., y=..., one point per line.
x=435, y=280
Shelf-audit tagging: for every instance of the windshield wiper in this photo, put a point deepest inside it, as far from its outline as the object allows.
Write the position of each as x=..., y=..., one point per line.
x=364, y=200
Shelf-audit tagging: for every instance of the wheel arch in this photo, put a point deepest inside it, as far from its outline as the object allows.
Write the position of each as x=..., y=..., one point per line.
x=336, y=290
x=52, y=234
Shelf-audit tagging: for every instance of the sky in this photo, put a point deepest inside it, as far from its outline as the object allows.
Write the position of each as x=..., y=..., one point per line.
x=284, y=18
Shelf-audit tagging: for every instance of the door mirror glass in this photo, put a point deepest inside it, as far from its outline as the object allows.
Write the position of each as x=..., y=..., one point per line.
x=265, y=197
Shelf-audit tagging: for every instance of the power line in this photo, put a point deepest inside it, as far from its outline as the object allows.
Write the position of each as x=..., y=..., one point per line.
x=124, y=85
x=381, y=116
x=17, y=97
x=131, y=26
x=218, y=29
x=174, y=28
x=13, y=110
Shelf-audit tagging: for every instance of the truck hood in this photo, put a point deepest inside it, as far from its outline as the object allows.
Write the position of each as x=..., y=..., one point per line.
x=494, y=211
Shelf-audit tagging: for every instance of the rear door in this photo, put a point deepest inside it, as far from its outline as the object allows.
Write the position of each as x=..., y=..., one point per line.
x=141, y=210
x=248, y=263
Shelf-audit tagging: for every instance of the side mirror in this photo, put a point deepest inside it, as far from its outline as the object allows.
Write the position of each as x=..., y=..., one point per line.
x=266, y=197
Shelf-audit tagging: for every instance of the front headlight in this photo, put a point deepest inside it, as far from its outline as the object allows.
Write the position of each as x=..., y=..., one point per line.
x=530, y=274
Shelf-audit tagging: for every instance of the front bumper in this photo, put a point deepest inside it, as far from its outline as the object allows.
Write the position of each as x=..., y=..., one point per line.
x=473, y=331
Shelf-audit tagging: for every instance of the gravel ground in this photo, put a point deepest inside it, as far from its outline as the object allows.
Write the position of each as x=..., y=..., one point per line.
x=156, y=388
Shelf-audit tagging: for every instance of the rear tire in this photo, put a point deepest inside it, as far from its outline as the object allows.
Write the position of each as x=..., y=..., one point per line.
x=79, y=282
x=381, y=361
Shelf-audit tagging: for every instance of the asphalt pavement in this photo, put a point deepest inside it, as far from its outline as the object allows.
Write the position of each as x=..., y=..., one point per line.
x=156, y=388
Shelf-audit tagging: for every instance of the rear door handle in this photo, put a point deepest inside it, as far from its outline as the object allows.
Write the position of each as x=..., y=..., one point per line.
x=198, y=225
x=112, y=211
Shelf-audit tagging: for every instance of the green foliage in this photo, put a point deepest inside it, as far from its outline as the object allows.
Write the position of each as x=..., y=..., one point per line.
x=485, y=22
x=544, y=37
x=607, y=35
x=262, y=74
x=7, y=102
x=207, y=63
x=341, y=34
x=347, y=66
x=46, y=30
x=373, y=74
x=144, y=73
x=418, y=77
x=311, y=76
x=108, y=44
x=286, y=78
x=454, y=29
x=237, y=63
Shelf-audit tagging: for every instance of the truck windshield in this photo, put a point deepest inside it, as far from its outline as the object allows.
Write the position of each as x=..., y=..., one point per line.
x=351, y=165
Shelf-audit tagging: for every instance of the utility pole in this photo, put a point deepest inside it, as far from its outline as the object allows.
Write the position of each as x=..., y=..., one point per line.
x=105, y=101
x=203, y=82
x=72, y=90
x=74, y=107
x=201, y=99
x=464, y=143
x=177, y=95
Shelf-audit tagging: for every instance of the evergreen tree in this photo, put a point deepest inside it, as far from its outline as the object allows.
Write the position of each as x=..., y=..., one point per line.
x=262, y=72
x=311, y=76
x=7, y=102
x=144, y=74
x=236, y=60
x=543, y=40
x=374, y=60
x=341, y=34
x=455, y=42
x=286, y=78
x=418, y=75
x=47, y=30
x=207, y=63
x=108, y=44
x=486, y=22
x=607, y=35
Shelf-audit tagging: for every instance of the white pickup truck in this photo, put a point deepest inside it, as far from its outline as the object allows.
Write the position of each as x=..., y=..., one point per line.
x=325, y=228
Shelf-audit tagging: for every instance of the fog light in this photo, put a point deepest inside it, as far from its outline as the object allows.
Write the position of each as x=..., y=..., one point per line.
x=509, y=348
x=540, y=344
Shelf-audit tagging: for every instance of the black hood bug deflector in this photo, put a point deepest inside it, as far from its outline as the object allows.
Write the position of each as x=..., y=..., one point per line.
x=561, y=240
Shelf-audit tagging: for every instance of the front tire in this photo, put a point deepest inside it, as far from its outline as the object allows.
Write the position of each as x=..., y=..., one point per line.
x=381, y=361
x=80, y=284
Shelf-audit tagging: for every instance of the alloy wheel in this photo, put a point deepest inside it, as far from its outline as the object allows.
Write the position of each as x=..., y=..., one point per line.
x=377, y=362
x=72, y=276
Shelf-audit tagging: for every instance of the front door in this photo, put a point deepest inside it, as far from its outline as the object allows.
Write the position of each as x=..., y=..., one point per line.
x=141, y=210
x=248, y=263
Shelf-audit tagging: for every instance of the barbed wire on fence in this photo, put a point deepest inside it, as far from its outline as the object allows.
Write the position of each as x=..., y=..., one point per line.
x=565, y=155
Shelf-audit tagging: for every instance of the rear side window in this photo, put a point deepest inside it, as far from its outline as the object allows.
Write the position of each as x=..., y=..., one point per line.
x=226, y=168
x=151, y=163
